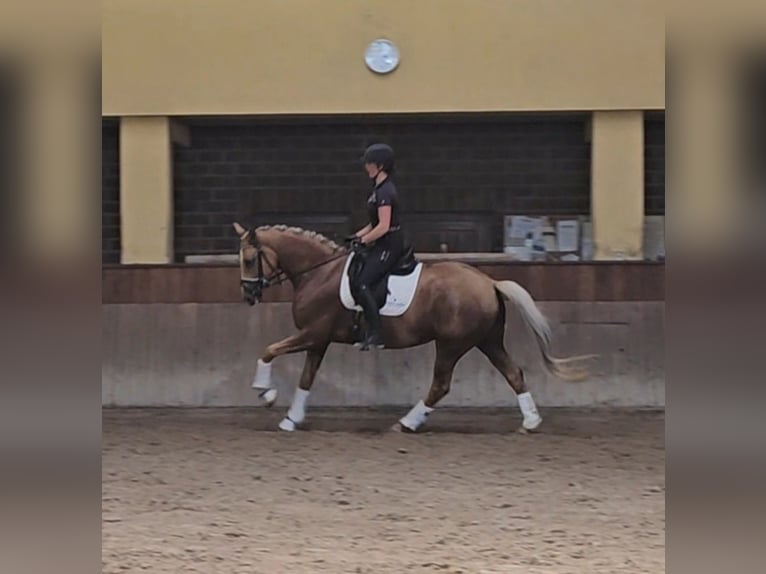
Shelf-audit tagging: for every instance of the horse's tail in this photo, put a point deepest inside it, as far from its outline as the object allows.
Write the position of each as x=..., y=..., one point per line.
x=562, y=368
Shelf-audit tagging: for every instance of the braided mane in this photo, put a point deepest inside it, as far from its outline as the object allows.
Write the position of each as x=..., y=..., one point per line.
x=299, y=231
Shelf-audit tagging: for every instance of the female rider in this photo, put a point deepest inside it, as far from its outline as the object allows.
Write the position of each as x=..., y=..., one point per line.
x=381, y=242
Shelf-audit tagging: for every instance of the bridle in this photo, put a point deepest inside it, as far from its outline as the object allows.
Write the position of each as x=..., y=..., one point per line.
x=253, y=286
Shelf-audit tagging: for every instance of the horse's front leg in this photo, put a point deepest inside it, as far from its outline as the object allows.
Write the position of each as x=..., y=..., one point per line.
x=297, y=412
x=262, y=381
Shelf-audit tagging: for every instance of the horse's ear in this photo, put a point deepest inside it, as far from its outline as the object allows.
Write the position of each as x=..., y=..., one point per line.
x=239, y=229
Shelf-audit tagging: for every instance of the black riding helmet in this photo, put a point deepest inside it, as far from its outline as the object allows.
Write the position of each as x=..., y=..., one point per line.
x=381, y=155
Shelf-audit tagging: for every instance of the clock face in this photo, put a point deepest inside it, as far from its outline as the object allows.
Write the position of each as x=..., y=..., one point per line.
x=382, y=56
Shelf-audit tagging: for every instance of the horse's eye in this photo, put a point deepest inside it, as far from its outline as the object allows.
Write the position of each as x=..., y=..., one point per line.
x=249, y=263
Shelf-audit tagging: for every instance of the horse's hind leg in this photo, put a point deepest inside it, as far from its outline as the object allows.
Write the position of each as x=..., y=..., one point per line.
x=447, y=356
x=493, y=348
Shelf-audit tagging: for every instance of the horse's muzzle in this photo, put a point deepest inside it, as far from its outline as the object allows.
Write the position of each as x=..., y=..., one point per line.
x=252, y=291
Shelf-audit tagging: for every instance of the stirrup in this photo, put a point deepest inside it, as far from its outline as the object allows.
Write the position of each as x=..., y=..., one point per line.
x=369, y=343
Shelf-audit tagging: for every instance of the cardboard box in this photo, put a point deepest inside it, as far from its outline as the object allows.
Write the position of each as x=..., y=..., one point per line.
x=568, y=235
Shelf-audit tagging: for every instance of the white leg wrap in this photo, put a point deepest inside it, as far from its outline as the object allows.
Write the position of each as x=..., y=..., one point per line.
x=297, y=412
x=262, y=378
x=416, y=417
x=532, y=418
x=269, y=396
x=287, y=425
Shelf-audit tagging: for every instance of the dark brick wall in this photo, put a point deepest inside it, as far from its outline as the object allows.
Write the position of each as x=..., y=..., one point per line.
x=457, y=177
x=110, y=192
x=654, y=163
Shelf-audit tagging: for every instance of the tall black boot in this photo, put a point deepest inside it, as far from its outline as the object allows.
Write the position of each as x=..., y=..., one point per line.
x=372, y=320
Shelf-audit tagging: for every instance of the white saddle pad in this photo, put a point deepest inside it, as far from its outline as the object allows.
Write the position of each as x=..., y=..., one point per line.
x=401, y=291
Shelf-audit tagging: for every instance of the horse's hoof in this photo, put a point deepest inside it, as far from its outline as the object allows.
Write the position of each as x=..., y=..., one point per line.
x=287, y=425
x=532, y=425
x=399, y=427
x=269, y=397
x=524, y=430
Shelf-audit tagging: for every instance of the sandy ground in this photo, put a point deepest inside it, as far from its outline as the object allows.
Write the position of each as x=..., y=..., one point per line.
x=220, y=491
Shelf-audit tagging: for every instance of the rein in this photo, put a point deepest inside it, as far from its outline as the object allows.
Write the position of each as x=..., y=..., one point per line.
x=280, y=275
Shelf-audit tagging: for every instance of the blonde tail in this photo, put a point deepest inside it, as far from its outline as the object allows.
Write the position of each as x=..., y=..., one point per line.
x=561, y=368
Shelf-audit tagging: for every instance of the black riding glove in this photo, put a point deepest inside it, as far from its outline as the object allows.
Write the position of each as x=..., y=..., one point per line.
x=349, y=240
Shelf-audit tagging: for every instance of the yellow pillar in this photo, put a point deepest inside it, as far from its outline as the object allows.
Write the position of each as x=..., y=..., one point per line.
x=617, y=184
x=706, y=202
x=146, y=190
x=56, y=224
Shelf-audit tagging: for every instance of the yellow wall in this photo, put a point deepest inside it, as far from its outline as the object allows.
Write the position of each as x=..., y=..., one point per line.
x=617, y=184
x=56, y=217
x=706, y=200
x=179, y=57
x=146, y=190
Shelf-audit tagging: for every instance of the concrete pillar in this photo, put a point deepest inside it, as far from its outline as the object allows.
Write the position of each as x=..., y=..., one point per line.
x=617, y=184
x=146, y=190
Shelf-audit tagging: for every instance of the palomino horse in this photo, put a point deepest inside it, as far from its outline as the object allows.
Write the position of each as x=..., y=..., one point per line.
x=454, y=305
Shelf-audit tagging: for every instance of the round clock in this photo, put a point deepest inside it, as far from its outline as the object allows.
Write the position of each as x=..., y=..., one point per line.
x=382, y=56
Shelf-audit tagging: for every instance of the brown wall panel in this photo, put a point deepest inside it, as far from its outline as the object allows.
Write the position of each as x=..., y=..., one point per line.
x=546, y=282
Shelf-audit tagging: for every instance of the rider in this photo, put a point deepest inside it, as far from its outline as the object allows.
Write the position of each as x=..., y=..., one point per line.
x=381, y=242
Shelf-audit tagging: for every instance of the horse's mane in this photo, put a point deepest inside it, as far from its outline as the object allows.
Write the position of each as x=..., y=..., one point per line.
x=299, y=231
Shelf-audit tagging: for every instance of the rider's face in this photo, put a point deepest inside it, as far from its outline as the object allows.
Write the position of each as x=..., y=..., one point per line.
x=372, y=170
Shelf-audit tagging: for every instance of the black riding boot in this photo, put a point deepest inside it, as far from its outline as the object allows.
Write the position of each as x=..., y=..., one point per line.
x=372, y=319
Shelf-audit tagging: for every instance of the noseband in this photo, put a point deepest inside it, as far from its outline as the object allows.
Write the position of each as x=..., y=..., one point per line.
x=254, y=286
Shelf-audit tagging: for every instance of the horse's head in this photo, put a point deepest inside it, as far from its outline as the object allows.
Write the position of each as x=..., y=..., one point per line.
x=258, y=265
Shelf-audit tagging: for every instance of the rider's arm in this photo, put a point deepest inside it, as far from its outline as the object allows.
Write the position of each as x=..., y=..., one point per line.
x=364, y=231
x=384, y=222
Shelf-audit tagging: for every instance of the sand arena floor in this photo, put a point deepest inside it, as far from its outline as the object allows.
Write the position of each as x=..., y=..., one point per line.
x=221, y=491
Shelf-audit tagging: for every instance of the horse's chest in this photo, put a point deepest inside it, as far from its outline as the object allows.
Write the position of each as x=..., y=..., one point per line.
x=308, y=308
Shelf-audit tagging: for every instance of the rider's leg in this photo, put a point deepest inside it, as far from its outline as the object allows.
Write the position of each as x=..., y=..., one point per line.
x=372, y=272
x=367, y=301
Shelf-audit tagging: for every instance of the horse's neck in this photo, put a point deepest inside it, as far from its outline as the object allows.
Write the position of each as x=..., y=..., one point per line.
x=297, y=255
x=318, y=289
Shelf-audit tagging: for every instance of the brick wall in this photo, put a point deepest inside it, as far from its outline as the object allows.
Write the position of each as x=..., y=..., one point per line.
x=457, y=176
x=110, y=192
x=654, y=164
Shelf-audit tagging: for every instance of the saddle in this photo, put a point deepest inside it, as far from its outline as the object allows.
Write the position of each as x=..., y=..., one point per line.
x=406, y=265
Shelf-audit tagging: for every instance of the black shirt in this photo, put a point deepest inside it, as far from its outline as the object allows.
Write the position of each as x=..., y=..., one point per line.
x=384, y=194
